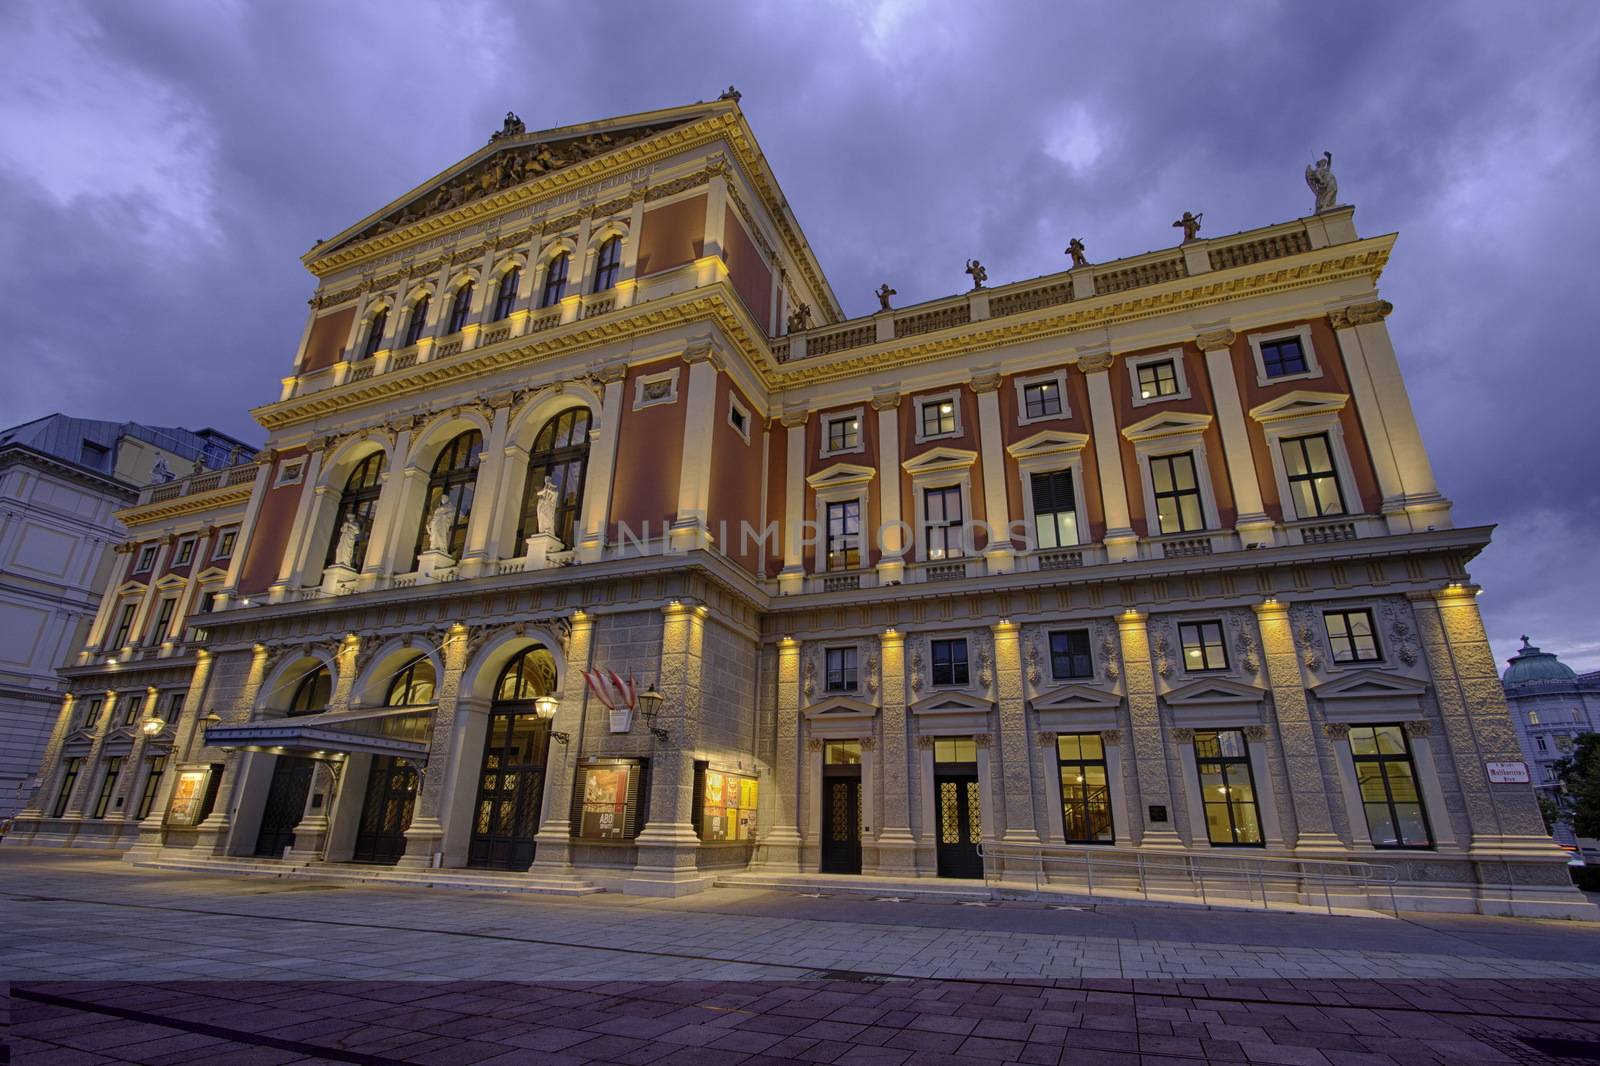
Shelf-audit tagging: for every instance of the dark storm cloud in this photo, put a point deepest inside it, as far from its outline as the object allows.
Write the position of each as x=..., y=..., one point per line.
x=163, y=167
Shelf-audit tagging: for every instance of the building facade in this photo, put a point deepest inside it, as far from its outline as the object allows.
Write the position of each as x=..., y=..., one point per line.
x=61, y=480
x=1551, y=706
x=1144, y=556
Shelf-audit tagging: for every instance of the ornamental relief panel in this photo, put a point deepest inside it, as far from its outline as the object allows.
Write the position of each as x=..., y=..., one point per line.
x=1240, y=638
x=1398, y=646
x=814, y=671
x=1105, y=653
x=980, y=663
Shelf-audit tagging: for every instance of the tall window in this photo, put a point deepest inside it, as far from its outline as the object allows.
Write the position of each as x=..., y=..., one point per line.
x=844, y=535
x=1157, y=380
x=942, y=508
x=531, y=672
x=1177, y=493
x=1388, y=782
x=359, y=500
x=124, y=625
x=411, y=685
x=311, y=692
x=69, y=778
x=157, y=768
x=1085, y=791
x=108, y=785
x=454, y=477
x=1280, y=358
x=1312, y=482
x=949, y=661
x=375, y=328
x=555, y=280
x=175, y=708
x=561, y=453
x=609, y=265
x=505, y=298
x=1352, y=636
x=131, y=704
x=460, y=308
x=417, y=320
x=1227, y=787
x=840, y=669
x=1041, y=399
x=91, y=713
x=164, y=613
x=1069, y=655
x=1203, y=648
x=1055, y=510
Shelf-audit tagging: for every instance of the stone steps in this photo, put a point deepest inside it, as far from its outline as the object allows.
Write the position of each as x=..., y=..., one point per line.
x=858, y=885
x=357, y=874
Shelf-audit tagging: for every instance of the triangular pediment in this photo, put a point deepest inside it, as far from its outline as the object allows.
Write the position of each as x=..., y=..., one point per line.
x=1077, y=698
x=171, y=581
x=936, y=460
x=840, y=707
x=1167, y=424
x=1370, y=684
x=1299, y=403
x=840, y=475
x=1048, y=442
x=130, y=586
x=211, y=572
x=1213, y=692
x=950, y=703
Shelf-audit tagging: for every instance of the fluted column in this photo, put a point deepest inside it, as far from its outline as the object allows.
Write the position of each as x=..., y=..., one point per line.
x=1145, y=734
x=1016, y=770
x=1308, y=785
x=1120, y=540
x=783, y=839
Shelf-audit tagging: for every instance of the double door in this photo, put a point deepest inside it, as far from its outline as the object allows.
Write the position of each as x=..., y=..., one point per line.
x=286, y=802
x=510, y=792
x=959, y=815
x=841, y=823
x=386, y=811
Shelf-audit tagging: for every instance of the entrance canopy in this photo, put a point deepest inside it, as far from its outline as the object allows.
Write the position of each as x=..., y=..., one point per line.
x=400, y=732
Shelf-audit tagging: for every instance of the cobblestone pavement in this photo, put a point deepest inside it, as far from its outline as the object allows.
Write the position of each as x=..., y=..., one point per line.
x=112, y=964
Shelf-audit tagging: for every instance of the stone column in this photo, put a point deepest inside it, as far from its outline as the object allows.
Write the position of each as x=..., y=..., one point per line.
x=668, y=844
x=211, y=835
x=792, y=578
x=81, y=788
x=1016, y=777
x=148, y=843
x=1144, y=734
x=485, y=515
x=311, y=831
x=1308, y=784
x=783, y=839
x=891, y=564
x=690, y=527
x=1121, y=541
x=42, y=794
x=386, y=515
x=1253, y=524
x=998, y=554
x=426, y=834
x=897, y=848
x=553, y=844
x=595, y=514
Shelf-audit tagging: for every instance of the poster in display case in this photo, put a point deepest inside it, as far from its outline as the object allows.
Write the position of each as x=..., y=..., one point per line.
x=727, y=806
x=193, y=794
x=606, y=804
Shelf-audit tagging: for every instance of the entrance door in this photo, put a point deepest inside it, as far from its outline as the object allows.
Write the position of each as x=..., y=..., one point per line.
x=386, y=811
x=510, y=790
x=960, y=824
x=286, y=802
x=841, y=825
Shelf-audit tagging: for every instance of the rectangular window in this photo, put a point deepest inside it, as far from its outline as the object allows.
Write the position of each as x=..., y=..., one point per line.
x=938, y=418
x=842, y=752
x=174, y=709
x=108, y=785
x=942, y=508
x=132, y=704
x=955, y=750
x=949, y=661
x=840, y=669
x=1085, y=789
x=1202, y=646
x=1177, y=493
x=91, y=713
x=1055, y=511
x=1069, y=655
x=124, y=625
x=844, y=434
x=1387, y=779
x=1352, y=636
x=1041, y=399
x=1539, y=742
x=69, y=778
x=225, y=544
x=1313, y=484
x=1157, y=380
x=1283, y=357
x=164, y=619
x=844, y=535
x=1227, y=787
x=152, y=785
x=147, y=559
x=185, y=552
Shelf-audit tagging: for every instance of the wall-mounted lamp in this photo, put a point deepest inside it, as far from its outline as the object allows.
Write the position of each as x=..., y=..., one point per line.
x=544, y=708
x=152, y=726
x=650, y=701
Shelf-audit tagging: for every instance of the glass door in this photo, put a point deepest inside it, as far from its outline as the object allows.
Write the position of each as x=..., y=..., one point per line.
x=510, y=792
x=958, y=807
x=386, y=811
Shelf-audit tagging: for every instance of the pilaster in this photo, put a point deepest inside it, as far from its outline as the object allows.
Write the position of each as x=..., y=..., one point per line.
x=1145, y=734
x=1254, y=526
x=295, y=554
x=1016, y=769
x=792, y=578
x=891, y=564
x=998, y=553
x=486, y=514
x=1121, y=542
x=897, y=848
x=1308, y=783
x=426, y=833
x=690, y=526
x=553, y=843
x=783, y=839
x=595, y=515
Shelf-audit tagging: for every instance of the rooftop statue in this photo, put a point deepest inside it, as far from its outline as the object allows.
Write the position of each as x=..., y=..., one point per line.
x=800, y=317
x=1190, y=224
x=979, y=275
x=731, y=94
x=1075, y=249
x=512, y=127
x=883, y=294
x=1324, y=186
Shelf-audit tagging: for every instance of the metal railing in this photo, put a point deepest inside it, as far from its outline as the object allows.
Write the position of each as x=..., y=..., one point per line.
x=1206, y=877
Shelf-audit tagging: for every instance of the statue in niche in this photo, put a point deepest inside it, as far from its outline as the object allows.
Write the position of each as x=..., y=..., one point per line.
x=1076, y=250
x=344, y=553
x=1190, y=224
x=1324, y=186
x=545, y=507
x=883, y=294
x=440, y=524
x=979, y=274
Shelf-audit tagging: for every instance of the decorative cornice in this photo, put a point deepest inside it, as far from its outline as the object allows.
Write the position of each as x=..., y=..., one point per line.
x=1360, y=314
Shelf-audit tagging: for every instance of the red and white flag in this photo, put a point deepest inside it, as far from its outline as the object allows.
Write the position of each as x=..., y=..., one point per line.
x=609, y=688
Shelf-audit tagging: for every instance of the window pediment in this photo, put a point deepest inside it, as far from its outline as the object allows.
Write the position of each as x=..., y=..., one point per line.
x=1362, y=694
x=839, y=708
x=1215, y=693
x=1077, y=698
x=1298, y=404
x=841, y=475
x=1048, y=443
x=939, y=460
x=951, y=703
x=1167, y=424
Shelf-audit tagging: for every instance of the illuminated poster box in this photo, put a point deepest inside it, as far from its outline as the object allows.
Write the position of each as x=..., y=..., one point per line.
x=193, y=794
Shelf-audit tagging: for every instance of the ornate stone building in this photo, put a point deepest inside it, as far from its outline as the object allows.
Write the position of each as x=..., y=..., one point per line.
x=1143, y=556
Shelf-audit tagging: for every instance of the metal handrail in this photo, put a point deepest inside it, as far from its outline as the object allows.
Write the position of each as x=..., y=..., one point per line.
x=1208, y=875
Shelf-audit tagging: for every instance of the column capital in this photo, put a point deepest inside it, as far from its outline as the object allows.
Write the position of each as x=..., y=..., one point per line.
x=703, y=351
x=610, y=372
x=884, y=401
x=982, y=383
x=794, y=418
x=1360, y=314
x=1214, y=339
x=1095, y=362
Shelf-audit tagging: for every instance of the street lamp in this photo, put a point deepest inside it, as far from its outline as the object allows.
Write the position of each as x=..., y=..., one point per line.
x=152, y=726
x=650, y=701
x=544, y=708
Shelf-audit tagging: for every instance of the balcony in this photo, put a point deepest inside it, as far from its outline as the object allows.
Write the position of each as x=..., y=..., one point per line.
x=198, y=483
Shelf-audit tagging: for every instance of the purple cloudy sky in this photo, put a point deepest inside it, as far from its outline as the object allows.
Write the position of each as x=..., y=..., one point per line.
x=163, y=166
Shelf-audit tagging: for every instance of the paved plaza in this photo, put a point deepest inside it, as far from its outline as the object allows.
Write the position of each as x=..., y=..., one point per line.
x=108, y=963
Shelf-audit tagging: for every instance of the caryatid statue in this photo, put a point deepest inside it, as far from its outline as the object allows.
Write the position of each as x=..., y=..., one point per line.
x=1076, y=250
x=883, y=294
x=545, y=507
x=1324, y=186
x=979, y=275
x=1190, y=224
x=344, y=553
x=440, y=524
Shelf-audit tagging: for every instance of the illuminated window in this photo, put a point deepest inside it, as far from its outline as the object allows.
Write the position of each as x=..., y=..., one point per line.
x=412, y=684
x=943, y=529
x=454, y=478
x=185, y=552
x=312, y=693
x=1041, y=399
x=844, y=535
x=844, y=434
x=1313, y=485
x=1387, y=779
x=1227, y=787
x=1085, y=789
x=147, y=559
x=1157, y=380
x=359, y=501
x=225, y=543
x=1352, y=636
x=1202, y=646
x=938, y=418
x=1177, y=493
x=1055, y=512
x=561, y=453
x=124, y=625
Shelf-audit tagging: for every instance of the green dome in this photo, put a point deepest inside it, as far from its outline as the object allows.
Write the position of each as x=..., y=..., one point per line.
x=1531, y=665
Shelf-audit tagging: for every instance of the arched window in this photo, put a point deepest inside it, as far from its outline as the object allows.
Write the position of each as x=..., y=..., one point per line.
x=605, y=272
x=412, y=684
x=561, y=452
x=461, y=308
x=418, y=319
x=359, y=500
x=375, y=328
x=555, y=280
x=455, y=474
x=531, y=672
x=507, y=295
x=312, y=693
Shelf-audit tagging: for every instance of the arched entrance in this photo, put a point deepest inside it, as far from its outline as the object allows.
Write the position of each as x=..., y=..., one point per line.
x=511, y=779
x=291, y=774
x=392, y=782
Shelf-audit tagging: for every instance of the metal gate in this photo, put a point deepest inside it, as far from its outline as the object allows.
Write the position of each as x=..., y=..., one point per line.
x=841, y=825
x=386, y=811
x=960, y=814
x=286, y=802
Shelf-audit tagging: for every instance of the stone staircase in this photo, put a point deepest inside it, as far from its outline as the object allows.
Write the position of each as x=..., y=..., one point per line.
x=337, y=873
x=920, y=888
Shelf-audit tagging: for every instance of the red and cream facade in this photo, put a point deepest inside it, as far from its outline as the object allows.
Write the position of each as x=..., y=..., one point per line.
x=712, y=440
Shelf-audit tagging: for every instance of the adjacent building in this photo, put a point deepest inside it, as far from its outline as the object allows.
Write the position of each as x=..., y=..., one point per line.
x=1551, y=706
x=1142, y=556
x=61, y=481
